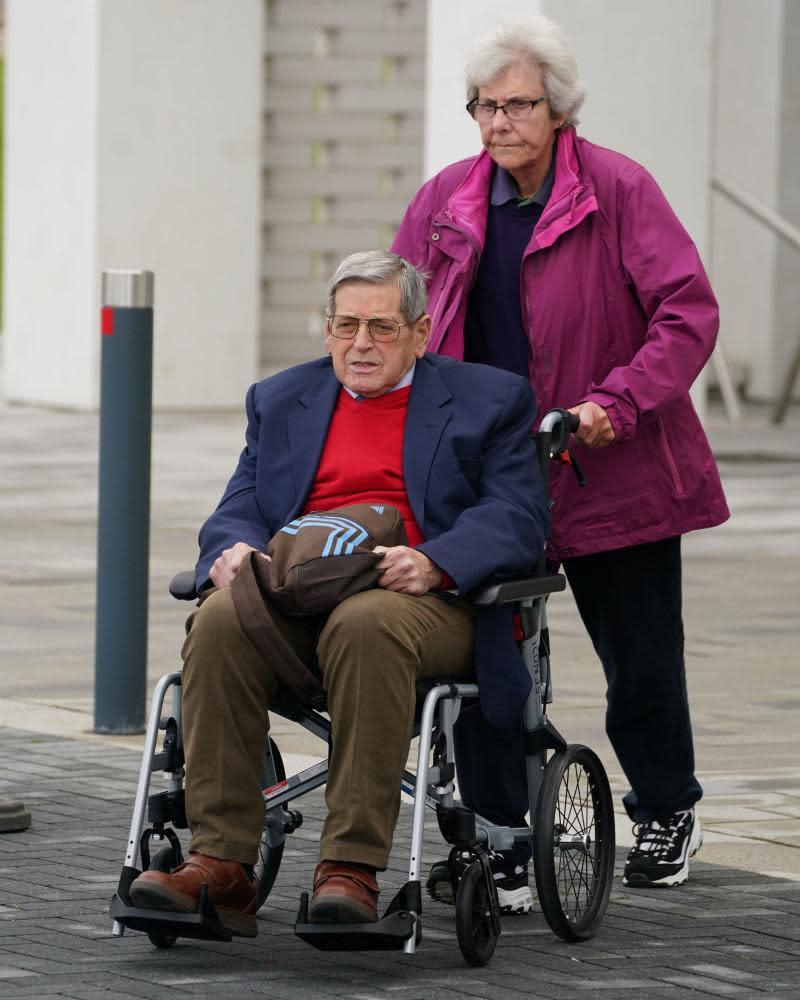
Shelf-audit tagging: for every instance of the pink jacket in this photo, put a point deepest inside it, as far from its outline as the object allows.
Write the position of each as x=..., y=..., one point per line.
x=618, y=310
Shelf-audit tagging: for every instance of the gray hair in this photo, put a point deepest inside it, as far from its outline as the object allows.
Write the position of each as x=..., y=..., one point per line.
x=379, y=267
x=529, y=40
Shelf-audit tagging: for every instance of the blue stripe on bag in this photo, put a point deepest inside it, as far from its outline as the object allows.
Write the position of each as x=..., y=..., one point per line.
x=342, y=530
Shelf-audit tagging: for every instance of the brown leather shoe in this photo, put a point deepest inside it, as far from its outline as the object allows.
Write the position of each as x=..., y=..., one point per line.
x=231, y=891
x=343, y=894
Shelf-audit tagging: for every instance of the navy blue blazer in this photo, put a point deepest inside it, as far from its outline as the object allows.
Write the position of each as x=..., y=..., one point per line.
x=471, y=473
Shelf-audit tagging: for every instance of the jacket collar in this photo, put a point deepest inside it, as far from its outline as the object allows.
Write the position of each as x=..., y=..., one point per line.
x=468, y=206
x=308, y=426
x=571, y=200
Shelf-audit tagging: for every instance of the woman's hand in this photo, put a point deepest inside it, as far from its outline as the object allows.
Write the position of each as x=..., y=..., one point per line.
x=595, y=430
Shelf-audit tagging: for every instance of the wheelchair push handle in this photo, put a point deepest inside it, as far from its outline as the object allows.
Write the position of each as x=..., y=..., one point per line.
x=559, y=424
x=554, y=433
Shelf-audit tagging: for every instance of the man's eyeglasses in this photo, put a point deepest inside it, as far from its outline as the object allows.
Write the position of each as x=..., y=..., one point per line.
x=515, y=111
x=346, y=327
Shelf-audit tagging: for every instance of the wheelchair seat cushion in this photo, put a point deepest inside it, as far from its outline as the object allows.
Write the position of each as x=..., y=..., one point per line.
x=321, y=558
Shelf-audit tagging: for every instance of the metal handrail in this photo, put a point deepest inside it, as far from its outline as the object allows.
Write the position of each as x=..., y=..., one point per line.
x=755, y=207
x=791, y=234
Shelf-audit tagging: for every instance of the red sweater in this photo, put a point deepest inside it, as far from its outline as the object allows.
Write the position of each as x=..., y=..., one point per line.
x=362, y=461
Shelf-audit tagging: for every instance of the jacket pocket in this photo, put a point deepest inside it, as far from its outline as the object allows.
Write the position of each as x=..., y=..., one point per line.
x=667, y=457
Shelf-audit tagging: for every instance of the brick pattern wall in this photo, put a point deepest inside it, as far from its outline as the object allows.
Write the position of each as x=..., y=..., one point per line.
x=343, y=147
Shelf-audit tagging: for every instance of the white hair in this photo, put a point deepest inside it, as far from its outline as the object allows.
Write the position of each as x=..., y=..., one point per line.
x=532, y=40
x=380, y=267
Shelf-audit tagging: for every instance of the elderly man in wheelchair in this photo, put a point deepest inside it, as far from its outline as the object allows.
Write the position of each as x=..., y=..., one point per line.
x=378, y=422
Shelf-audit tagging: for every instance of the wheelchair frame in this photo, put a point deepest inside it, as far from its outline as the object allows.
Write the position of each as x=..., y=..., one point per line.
x=570, y=831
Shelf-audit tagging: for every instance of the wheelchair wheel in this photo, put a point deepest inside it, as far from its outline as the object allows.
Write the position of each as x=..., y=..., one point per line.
x=269, y=855
x=474, y=926
x=163, y=861
x=574, y=843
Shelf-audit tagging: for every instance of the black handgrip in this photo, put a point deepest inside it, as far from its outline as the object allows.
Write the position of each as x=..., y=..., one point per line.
x=567, y=424
x=183, y=586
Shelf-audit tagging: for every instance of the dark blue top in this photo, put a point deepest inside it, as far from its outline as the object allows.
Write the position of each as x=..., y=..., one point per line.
x=494, y=333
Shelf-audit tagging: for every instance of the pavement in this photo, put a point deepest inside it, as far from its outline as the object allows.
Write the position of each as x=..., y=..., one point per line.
x=734, y=930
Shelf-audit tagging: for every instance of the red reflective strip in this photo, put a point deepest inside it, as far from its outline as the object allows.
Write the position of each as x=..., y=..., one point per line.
x=106, y=321
x=274, y=788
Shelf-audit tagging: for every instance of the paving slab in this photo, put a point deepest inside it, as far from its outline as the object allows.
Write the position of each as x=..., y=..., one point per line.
x=726, y=933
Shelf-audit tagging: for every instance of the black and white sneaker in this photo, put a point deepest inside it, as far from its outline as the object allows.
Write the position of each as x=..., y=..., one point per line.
x=513, y=891
x=662, y=850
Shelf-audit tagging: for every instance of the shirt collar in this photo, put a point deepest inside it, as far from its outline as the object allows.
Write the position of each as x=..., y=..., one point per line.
x=504, y=187
x=404, y=381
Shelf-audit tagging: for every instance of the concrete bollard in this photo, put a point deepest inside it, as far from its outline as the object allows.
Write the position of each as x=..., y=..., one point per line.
x=123, y=523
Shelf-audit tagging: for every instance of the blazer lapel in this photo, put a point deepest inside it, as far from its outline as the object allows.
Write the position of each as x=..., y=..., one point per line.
x=308, y=428
x=429, y=411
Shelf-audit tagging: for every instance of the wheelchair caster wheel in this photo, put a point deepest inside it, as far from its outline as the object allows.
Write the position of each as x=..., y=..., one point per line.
x=163, y=861
x=476, y=926
x=574, y=843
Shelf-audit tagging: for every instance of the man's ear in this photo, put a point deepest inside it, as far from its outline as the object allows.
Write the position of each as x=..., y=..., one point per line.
x=422, y=333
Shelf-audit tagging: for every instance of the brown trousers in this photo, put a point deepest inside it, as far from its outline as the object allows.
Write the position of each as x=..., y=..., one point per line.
x=370, y=651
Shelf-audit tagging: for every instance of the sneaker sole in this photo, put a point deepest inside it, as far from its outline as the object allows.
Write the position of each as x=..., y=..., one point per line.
x=639, y=881
x=514, y=901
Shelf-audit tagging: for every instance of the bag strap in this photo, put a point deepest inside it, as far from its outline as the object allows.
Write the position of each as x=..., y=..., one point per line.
x=272, y=646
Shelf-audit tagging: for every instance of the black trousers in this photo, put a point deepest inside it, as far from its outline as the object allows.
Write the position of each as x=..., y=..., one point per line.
x=630, y=603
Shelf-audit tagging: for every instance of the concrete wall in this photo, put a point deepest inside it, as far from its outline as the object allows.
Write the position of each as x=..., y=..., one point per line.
x=133, y=140
x=50, y=283
x=787, y=271
x=747, y=151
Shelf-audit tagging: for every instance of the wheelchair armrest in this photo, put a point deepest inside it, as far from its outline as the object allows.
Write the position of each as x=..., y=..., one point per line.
x=183, y=586
x=508, y=591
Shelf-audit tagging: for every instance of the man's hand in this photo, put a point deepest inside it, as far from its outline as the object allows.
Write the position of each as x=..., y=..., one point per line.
x=407, y=571
x=595, y=430
x=227, y=565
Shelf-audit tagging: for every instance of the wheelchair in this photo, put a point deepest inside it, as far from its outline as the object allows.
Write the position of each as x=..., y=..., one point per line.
x=571, y=832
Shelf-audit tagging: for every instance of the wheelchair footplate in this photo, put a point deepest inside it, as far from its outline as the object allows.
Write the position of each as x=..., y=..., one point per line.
x=202, y=924
x=399, y=924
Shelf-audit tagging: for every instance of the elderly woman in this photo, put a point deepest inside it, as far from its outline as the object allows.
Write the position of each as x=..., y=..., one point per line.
x=561, y=260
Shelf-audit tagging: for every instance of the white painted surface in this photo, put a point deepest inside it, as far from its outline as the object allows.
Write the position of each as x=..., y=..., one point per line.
x=133, y=140
x=747, y=151
x=178, y=183
x=51, y=326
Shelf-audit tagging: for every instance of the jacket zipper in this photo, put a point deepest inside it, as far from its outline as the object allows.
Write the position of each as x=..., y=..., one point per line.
x=470, y=241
